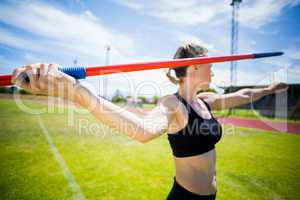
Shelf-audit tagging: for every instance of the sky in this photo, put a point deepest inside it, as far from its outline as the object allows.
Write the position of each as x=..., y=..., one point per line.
x=136, y=31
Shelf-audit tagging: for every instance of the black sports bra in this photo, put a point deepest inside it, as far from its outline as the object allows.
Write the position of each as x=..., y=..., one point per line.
x=198, y=136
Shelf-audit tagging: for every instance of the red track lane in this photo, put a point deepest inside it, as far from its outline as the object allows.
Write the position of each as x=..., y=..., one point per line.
x=262, y=124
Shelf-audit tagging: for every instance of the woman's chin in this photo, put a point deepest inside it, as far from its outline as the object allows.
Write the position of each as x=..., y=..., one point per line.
x=204, y=86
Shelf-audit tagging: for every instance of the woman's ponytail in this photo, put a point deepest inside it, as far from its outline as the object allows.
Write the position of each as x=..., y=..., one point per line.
x=173, y=79
x=189, y=50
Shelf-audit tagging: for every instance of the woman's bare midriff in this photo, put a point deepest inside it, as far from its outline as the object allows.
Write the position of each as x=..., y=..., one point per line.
x=197, y=173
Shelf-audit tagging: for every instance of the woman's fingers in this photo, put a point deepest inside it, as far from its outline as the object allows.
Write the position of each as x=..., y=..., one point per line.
x=32, y=75
x=281, y=87
x=42, y=71
x=278, y=87
x=52, y=79
x=19, y=76
x=16, y=73
x=52, y=68
x=44, y=79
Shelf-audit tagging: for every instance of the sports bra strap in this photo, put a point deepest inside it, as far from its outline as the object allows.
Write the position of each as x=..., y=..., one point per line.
x=188, y=105
x=207, y=105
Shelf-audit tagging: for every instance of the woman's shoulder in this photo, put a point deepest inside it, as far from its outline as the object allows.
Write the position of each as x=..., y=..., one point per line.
x=206, y=94
x=170, y=101
x=209, y=98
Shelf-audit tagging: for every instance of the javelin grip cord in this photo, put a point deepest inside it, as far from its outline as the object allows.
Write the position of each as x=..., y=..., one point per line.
x=75, y=72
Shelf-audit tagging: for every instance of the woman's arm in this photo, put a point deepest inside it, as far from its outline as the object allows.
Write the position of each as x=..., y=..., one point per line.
x=140, y=128
x=240, y=97
x=48, y=80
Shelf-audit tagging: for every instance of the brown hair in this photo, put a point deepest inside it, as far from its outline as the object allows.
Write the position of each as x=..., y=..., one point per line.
x=190, y=50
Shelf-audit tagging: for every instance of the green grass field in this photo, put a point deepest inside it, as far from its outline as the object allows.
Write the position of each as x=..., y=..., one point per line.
x=106, y=165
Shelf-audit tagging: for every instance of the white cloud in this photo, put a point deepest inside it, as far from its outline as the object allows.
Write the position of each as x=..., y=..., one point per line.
x=253, y=14
x=30, y=57
x=188, y=12
x=11, y=39
x=291, y=57
x=55, y=33
x=184, y=37
x=133, y=4
x=78, y=34
x=293, y=54
x=294, y=3
x=60, y=33
x=259, y=13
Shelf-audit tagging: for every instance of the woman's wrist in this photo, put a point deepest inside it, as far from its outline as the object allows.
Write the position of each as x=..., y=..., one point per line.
x=267, y=91
x=81, y=95
x=74, y=94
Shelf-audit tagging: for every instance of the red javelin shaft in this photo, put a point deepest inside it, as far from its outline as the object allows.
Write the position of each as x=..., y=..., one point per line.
x=80, y=73
x=110, y=69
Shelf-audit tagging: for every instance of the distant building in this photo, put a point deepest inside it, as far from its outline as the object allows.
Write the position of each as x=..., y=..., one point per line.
x=134, y=101
x=150, y=100
x=271, y=106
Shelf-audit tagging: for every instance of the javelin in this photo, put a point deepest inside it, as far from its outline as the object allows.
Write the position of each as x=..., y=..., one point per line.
x=83, y=72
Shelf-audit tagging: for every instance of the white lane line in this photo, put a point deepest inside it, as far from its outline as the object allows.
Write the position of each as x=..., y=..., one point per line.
x=77, y=193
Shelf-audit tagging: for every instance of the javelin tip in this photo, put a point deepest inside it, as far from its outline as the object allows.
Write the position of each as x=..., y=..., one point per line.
x=270, y=54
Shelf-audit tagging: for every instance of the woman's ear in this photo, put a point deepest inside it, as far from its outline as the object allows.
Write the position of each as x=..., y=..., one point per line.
x=195, y=67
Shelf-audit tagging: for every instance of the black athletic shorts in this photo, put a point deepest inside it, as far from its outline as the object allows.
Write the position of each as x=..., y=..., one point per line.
x=180, y=193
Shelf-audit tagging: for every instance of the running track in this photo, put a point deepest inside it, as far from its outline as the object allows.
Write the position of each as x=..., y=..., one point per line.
x=268, y=125
x=262, y=124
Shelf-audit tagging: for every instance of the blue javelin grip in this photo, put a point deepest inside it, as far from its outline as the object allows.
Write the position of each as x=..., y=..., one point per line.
x=75, y=72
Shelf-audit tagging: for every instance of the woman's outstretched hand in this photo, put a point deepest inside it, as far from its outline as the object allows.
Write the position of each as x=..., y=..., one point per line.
x=277, y=87
x=45, y=79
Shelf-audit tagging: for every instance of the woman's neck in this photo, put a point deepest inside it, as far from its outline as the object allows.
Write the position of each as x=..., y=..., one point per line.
x=188, y=91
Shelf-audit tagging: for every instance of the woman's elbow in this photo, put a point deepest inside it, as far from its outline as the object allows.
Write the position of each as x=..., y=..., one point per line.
x=143, y=141
x=139, y=137
x=144, y=138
